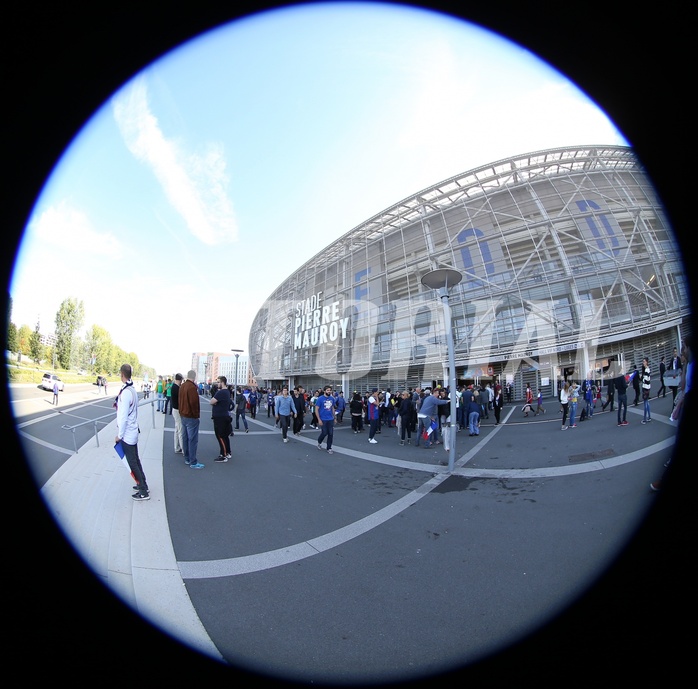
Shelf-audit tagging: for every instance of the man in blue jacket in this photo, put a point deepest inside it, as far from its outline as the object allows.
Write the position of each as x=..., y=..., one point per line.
x=428, y=412
x=324, y=412
x=285, y=409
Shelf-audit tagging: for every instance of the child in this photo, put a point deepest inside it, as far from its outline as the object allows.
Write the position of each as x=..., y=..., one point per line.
x=539, y=407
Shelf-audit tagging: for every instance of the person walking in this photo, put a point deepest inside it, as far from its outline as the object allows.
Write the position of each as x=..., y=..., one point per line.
x=610, y=393
x=299, y=404
x=646, y=384
x=241, y=410
x=498, y=404
x=675, y=368
x=285, y=410
x=621, y=385
x=190, y=412
x=174, y=401
x=253, y=400
x=55, y=393
x=270, y=403
x=635, y=379
x=528, y=405
x=573, y=395
x=324, y=413
x=373, y=415
x=221, y=403
x=662, y=370
x=540, y=409
x=126, y=404
x=564, y=403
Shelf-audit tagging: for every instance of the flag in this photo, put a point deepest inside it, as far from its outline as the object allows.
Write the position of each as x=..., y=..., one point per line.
x=120, y=451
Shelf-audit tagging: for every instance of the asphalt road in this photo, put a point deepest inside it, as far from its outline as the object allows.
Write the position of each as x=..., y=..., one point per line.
x=373, y=564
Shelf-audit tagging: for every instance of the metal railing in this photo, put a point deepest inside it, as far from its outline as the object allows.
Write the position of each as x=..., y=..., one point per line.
x=110, y=415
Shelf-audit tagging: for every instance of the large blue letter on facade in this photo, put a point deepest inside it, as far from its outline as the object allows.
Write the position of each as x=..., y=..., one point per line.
x=468, y=264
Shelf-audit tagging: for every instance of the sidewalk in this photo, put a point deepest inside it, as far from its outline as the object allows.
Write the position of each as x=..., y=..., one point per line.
x=128, y=547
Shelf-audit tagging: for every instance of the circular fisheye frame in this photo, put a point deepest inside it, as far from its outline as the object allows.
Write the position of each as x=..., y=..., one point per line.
x=418, y=221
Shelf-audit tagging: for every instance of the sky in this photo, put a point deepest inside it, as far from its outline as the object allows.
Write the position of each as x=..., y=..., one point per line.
x=224, y=166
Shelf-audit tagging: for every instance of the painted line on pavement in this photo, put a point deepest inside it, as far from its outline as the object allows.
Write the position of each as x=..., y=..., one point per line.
x=210, y=569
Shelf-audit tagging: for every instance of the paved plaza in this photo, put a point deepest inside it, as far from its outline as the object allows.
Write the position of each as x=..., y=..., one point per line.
x=373, y=564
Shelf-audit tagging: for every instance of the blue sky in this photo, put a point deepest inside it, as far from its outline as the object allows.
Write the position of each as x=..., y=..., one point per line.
x=237, y=157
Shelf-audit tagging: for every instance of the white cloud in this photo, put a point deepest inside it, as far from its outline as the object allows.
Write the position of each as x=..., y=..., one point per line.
x=194, y=184
x=70, y=229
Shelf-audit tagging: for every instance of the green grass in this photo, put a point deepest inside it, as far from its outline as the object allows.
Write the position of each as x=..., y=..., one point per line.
x=31, y=373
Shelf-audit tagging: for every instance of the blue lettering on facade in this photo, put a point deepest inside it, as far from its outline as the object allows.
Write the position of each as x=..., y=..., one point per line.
x=467, y=257
x=594, y=228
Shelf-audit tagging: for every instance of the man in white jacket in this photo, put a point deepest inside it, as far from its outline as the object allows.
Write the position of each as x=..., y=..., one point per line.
x=126, y=405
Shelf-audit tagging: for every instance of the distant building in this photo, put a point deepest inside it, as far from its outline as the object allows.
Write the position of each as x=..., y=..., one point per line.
x=48, y=340
x=210, y=365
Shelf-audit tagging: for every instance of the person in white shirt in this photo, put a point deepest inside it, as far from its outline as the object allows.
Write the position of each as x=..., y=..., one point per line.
x=126, y=405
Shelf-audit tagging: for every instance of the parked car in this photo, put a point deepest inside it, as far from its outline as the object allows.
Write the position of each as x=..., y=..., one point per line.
x=49, y=379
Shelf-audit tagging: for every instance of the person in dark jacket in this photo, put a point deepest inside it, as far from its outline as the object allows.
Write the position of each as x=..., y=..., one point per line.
x=406, y=413
x=174, y=402
x=498, y=403
x=298, y=395
x=240, y=409
x=356, y=410
x=621, y=387
x=610, y=393
x=635, y=375
x=222, y=423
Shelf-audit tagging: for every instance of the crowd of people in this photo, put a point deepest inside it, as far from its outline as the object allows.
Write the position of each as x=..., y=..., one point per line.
x=415, y=414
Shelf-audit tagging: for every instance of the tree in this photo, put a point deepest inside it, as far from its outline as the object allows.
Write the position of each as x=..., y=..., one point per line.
x=69, y=319
x=24, y=335
x=99, y=344
x=36, y=349
x=12, y=338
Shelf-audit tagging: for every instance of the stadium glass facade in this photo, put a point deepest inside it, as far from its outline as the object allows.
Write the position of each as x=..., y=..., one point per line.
x=569, y=265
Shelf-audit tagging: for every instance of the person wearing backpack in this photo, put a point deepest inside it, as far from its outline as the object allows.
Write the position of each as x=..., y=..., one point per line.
x=253, y=399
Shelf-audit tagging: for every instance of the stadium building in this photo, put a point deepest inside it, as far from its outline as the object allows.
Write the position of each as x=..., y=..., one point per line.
x=569, y=265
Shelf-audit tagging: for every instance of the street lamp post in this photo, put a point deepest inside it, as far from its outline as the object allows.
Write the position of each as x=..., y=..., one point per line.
x=237, y=355
x=441, y=280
